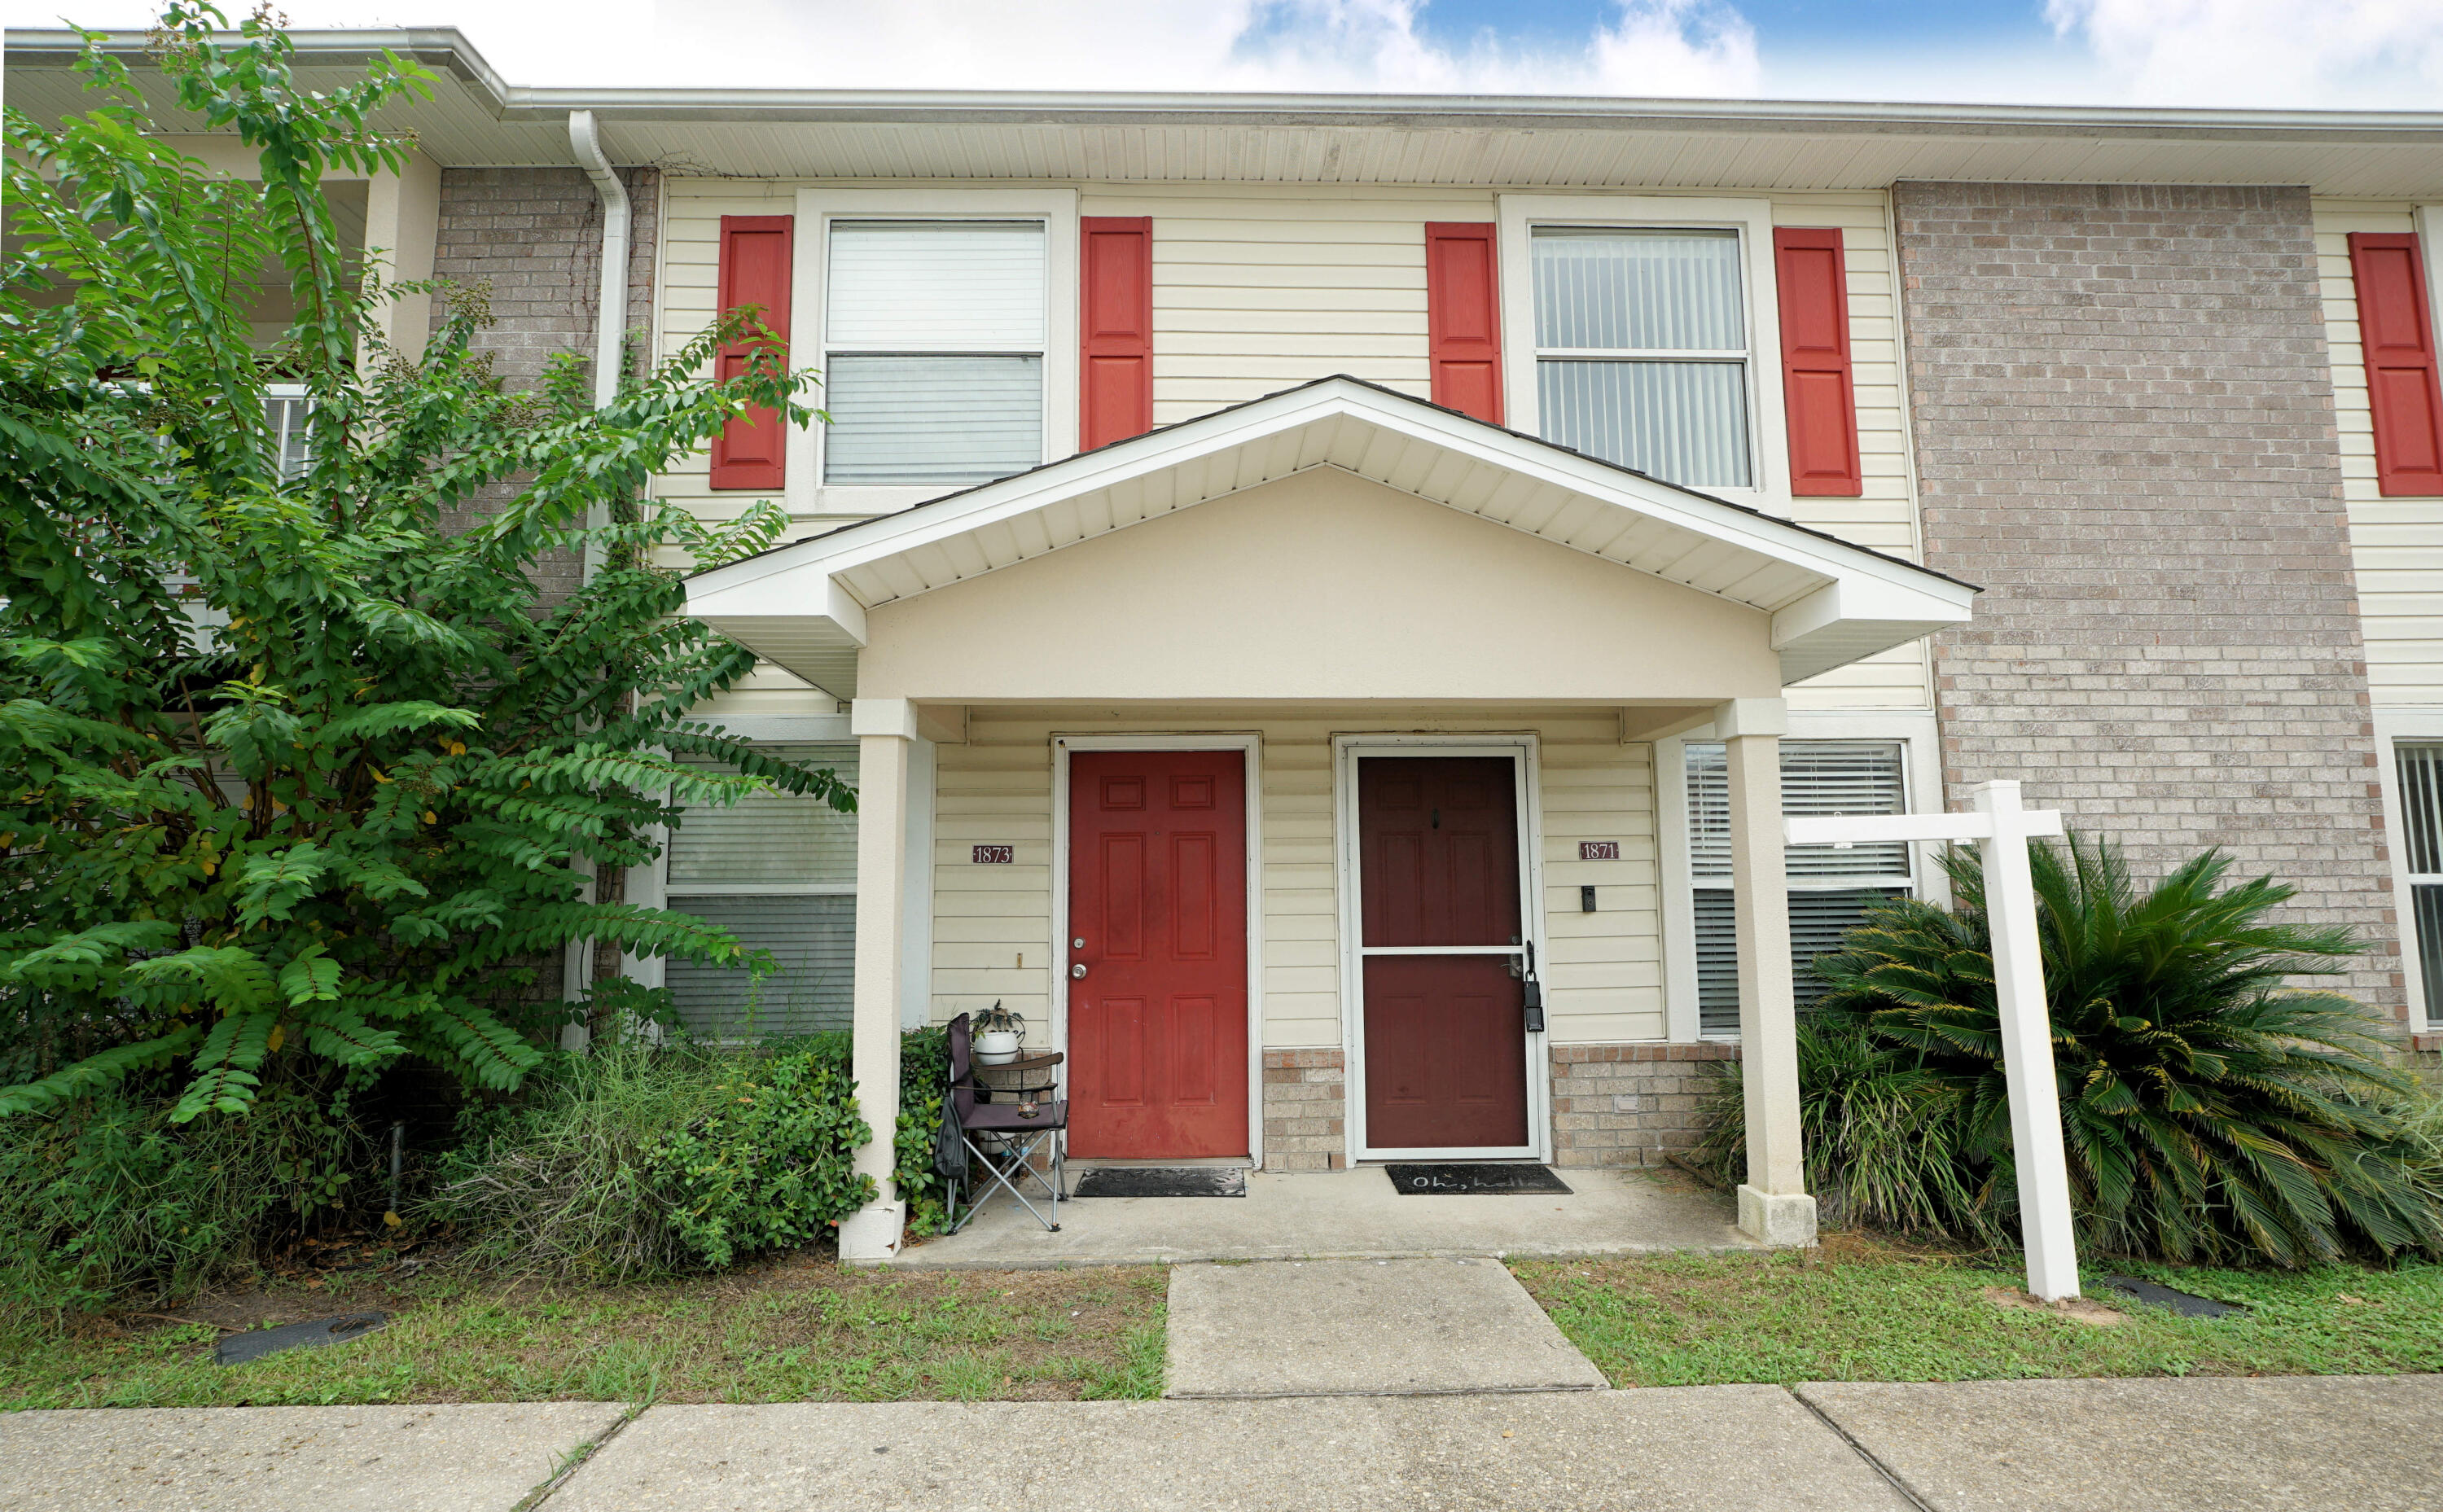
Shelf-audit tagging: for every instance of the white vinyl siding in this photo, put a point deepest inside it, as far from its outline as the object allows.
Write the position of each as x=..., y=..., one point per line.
x=934, y=343
x=780, y=872
x=1641, y=349
x=2395, y=544
x=1831, y=887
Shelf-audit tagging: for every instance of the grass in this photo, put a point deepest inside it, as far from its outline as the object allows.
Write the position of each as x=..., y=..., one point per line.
x=798, y=1329
x=1861, y=1309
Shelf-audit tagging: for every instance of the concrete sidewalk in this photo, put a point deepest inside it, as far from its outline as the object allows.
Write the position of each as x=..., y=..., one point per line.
x=2367, y=1444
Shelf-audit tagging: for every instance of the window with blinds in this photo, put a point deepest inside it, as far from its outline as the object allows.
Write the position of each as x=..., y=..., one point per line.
x=1830, y=888
x=780, y=872
x=1641, y=349
x=933, y=345
x=2420, y=770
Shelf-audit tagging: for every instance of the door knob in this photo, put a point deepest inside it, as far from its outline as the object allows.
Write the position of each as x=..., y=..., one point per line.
x=1079, y=970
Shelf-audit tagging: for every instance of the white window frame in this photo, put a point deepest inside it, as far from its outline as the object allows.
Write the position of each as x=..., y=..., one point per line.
x=1920, y=742
x=1525, y=752
x=1768, y=434
x=818, y=206
x=2393, y=729
x=281, y=431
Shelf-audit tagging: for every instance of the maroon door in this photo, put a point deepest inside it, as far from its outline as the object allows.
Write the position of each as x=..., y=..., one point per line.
x=1445, y=1034
x=1158, y=919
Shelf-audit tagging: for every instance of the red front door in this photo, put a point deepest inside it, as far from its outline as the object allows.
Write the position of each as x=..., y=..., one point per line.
x=1446, y=1033
x=1158, y=919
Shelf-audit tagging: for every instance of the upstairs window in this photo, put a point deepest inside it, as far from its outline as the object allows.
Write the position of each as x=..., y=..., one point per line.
x=283, y=414
x=934, y=350
x=1830, y=888
x=1642, y=349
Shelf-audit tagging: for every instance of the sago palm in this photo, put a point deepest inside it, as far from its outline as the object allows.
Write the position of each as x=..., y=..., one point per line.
x=2211, y=1110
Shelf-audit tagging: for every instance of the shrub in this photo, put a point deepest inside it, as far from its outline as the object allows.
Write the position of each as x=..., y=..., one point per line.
x=2211, y=1112
x=640, y=1159
x=768, y=1166
x=107, y=1201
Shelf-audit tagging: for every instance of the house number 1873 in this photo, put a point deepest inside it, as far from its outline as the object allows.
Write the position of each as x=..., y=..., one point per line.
x=994, y=855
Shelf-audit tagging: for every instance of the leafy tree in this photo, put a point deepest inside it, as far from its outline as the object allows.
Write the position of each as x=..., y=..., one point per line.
x=293, y=763
x=2211, y=1110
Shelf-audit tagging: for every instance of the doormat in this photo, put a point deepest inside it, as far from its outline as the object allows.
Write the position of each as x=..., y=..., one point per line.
x=1469, y=1180
x=2186, y=1303
x=236, y=1349
x=1163, y=1182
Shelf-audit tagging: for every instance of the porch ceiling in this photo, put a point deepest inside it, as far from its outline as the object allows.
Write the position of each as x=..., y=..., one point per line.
x=803, y=604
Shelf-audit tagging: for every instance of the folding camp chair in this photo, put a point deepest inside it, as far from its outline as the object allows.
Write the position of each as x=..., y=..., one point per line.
x=1015, y=1138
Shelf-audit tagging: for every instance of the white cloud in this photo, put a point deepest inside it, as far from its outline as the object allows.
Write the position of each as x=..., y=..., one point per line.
x=1668, y=48
x=2268, y=53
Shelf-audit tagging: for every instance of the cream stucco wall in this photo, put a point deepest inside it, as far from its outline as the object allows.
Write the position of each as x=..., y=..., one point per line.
x=992, y=929
x=1323, y=585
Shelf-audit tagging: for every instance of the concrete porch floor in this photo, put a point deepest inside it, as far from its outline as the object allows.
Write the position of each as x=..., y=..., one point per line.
x=1351, y=1215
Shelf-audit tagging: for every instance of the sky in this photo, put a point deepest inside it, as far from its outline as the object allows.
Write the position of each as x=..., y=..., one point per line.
x=2371, y=54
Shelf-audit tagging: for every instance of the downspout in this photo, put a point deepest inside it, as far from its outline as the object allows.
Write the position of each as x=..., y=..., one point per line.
x=611, y=309
x=610, y=336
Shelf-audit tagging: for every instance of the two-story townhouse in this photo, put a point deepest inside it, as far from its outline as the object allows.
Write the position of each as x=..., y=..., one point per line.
x=1327, y=598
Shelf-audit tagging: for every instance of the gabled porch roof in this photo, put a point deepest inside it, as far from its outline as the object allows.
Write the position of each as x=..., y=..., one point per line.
x=803, y=604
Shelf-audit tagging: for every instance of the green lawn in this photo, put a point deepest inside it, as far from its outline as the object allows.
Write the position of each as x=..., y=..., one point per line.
x=798, y=1331
x=1859, y=1310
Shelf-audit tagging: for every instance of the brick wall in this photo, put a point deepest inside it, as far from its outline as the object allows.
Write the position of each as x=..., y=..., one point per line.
x=2123, y=420
x=535, y=236
x=1306, y=1110
x=1630, y=1105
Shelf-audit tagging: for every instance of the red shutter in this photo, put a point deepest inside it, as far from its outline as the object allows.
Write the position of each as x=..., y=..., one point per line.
x=1115, y=329
x=750, y=452
x=1817, y=392
x=2398, y=332
x=1463, y=318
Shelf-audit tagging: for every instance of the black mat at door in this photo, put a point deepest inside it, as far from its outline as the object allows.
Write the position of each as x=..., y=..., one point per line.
x=1468, y=1180
x=1163, y=1182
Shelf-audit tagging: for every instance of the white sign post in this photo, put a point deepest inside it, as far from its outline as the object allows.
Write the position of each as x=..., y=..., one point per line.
x=2002, y=831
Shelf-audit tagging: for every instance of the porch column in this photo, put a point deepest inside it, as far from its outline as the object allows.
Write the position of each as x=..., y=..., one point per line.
x=885, y=729
x=1775, y=1206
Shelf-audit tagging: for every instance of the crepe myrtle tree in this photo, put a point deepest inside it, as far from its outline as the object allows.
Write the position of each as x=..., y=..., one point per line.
x=291, y=766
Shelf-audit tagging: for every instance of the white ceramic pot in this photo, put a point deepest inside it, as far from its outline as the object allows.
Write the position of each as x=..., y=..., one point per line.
x=997, y=1047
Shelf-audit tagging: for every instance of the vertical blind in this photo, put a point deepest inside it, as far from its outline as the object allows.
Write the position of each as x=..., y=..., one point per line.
x=779, y=872
x=2420, y=769
x=1641, y=349
x=1831, y=888
x=933, y=336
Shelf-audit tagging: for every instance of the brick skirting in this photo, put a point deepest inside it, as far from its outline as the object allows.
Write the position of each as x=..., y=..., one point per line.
x=1306, y=1110
x=1628, y=1104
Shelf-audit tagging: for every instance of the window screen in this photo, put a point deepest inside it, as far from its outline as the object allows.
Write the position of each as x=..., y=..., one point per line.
x=1641, y=349
x=1831, y=889
x=780, y=872
x=933, y=342
x=2420, y=769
